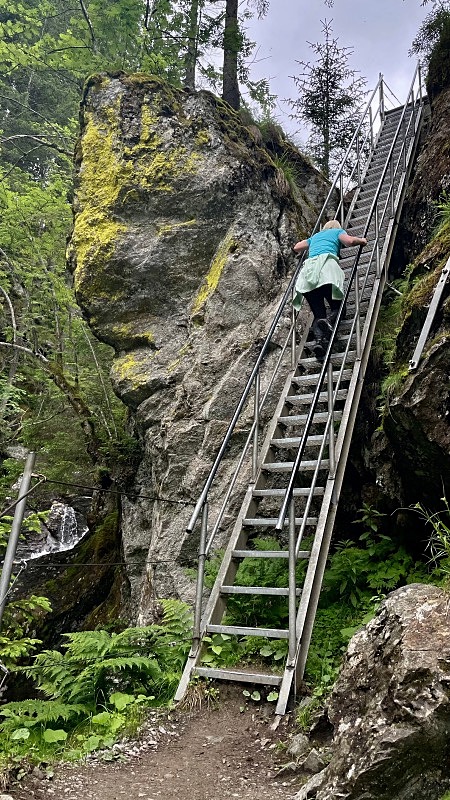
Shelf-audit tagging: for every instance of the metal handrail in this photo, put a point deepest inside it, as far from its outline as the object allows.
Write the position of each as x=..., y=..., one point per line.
x=285, y=299
x=373, y=208
x=202, y=504
x=432, y=310
x=15, y=531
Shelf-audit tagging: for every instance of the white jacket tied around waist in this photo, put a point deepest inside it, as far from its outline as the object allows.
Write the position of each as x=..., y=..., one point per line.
x=316, y=272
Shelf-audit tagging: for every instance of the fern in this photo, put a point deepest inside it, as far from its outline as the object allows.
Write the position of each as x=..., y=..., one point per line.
x=94, y=661
x=31, y=713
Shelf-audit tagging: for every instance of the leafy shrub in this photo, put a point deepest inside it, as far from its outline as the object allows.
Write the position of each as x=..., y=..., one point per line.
x=97, y=686
x=19, y=619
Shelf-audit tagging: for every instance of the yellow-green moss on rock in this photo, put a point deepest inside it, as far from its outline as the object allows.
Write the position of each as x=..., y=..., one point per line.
x=113, y=174
x=209, y=285
x=131, y=368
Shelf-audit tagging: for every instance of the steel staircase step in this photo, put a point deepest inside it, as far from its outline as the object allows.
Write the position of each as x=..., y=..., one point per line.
x=267, y=679
x=336, y=358
x=286, y=466
x=238, y=630
x=299, y=419
x=299, y=492
x=272, y=591
x=305, y=399
x=301, y=380
x=293, y=441
x=270, y=522
x=302, y=554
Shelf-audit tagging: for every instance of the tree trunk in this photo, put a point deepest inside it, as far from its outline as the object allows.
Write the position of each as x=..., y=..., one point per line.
x=191, y=53
x=230, y=91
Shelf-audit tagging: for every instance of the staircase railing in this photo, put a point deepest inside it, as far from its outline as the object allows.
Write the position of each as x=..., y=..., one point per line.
x=396, y=162
x=358, y=154
x=432, y=310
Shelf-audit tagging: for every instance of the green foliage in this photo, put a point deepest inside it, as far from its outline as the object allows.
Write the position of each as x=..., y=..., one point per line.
x=289, y=170
x=439, y=540
x=19, y=619
x=389, y=322
x=442, y=211
x=330, y=101
x=97, y=687
x=375, y=566
x=432, y=45
x=220, y=650
x=94, y=662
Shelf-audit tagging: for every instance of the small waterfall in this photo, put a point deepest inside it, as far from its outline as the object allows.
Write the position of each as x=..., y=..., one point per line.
x=68, y=528
x=63, y=529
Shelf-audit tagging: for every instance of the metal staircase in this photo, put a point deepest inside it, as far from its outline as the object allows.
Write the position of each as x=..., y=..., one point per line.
x=299, y=416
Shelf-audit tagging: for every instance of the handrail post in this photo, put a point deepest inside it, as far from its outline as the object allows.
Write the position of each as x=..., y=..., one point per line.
x=200, y=580
x=371, y=128
x=404, y=153
x=358, y=158
x=382, y=114
x=256, y=431
x=391, y=187
x=15, y=532
x=341, y=193
x=293, y=337
x=292, y=585
x=357, y=318
x=331, y=424
x=377, y=240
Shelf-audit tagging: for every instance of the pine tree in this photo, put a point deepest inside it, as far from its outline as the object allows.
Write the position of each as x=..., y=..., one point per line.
x=330, y=100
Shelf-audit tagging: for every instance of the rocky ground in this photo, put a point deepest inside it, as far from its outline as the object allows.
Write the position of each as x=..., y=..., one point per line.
x=200, y=753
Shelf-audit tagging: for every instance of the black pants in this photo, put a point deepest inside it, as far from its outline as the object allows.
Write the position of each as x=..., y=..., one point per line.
x=316, y=301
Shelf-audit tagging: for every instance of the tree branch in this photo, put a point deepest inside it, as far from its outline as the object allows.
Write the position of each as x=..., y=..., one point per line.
x=89, y=23
x=71, y=394
x=43, y=142
x=10, y=305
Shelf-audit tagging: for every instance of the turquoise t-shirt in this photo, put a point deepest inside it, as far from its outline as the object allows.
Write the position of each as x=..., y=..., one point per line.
x=325, y=242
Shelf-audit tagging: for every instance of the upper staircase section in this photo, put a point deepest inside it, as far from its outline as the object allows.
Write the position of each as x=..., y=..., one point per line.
x=296, y=418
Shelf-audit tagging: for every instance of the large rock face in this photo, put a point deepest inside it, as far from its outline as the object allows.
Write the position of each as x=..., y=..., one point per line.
x=180, y=249
x=390, y=707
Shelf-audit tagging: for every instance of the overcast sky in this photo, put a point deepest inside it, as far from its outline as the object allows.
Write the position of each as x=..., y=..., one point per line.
x=379, y=31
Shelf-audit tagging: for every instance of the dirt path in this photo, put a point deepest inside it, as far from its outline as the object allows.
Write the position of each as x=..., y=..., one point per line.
x=203, y=755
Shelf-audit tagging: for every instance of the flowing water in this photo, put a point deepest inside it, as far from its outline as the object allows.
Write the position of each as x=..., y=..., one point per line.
x=63, y=529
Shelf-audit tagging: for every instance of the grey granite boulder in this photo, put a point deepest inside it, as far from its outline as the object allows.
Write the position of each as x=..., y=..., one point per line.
x=390, y=707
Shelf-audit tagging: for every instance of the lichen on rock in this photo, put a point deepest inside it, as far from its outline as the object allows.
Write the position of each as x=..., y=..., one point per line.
x=181, y=250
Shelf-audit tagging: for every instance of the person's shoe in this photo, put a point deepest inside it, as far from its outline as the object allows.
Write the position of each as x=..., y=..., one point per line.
x=319, y=351
x=322, y=331
x=332, y=317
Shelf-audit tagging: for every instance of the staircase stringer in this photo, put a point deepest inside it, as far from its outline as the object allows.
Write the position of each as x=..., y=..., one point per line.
x=319, y=552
